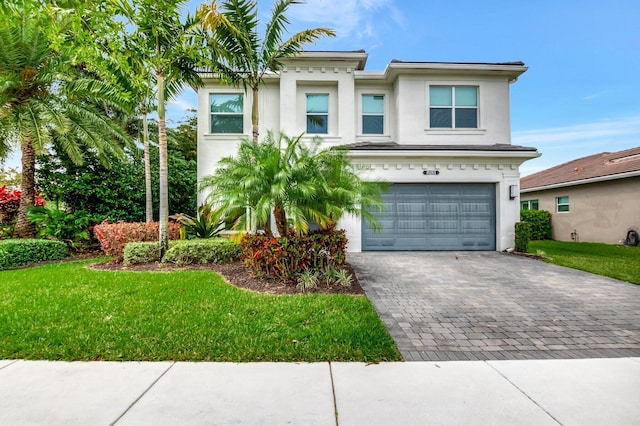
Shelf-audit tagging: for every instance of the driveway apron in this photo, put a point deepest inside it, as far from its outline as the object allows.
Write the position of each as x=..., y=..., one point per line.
x=441, y=306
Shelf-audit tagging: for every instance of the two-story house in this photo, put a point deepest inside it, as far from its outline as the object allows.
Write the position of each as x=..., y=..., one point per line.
x=439, y=132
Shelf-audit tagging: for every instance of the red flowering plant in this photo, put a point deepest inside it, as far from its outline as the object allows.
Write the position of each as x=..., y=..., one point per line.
x=9, y=203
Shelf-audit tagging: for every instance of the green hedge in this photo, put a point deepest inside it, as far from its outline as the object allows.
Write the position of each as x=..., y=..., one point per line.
x=184, y=252
x=540, y=221
x=14, y=253
x=523, y=235
x=141, y=252
x=202, y=251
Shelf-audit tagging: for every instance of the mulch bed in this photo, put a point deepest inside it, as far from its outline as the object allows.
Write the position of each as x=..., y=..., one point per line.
x=240, y=276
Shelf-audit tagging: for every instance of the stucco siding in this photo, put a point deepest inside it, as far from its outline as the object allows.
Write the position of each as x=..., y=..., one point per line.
x=598, y=212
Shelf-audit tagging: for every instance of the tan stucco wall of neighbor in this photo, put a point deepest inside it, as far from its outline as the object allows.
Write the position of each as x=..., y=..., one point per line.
x=599, y=212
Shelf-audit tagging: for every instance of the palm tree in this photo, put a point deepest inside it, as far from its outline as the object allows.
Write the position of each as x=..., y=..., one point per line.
x=42, y=94
x=170, y=53
x=296, y=181
x=239, y=55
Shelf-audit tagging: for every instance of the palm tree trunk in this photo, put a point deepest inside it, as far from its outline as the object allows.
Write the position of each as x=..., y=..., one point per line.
x=24, y=227
x=281, y=220
x=164, y=190
x=147, y=167
x=255, y=116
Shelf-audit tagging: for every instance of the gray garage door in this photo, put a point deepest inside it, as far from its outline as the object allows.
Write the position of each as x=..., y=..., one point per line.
x=435, y=217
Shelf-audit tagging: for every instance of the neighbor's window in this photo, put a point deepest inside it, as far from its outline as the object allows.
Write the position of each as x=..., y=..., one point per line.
x=373, y=114
x=318, y=113
x=453, y=107
x=529, y=205
x=562, y=204
x=227, y=113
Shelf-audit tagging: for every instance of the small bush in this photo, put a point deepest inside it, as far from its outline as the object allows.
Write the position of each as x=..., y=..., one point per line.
x=286, y=257
x=141, y=252
x=523, y=235
x=114, y=237
x=203, y=251
x=540, y=221
x=15, y=253
x=307, y=280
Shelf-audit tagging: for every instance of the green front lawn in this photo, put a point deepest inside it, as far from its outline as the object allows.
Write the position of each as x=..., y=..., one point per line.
x=615, y=261
x=65, y=311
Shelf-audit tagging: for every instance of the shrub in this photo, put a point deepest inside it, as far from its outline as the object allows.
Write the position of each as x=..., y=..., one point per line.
x=114, y=237
x=208, y=224
x=54, y=223
x=307, y=280
x=523, y=235
x=540, y=221
x=202, y=251
x=286, y=257
x=141, y=252
x=15, y=253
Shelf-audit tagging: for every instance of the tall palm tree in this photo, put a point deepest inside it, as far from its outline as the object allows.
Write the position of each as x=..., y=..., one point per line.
x=240, y=56
x=43, y=94
x=171, y=53
x=296, y=181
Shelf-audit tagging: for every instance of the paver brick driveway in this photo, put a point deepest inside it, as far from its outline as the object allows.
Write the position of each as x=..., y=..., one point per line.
x=483, y=306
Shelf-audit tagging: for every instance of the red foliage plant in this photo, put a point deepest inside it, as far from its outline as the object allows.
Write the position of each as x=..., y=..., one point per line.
x=114, y=236
x=10, y=202
x=284, y=257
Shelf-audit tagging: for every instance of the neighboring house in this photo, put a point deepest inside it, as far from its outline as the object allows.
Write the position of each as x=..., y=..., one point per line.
x=591, y=199
x=440, y=132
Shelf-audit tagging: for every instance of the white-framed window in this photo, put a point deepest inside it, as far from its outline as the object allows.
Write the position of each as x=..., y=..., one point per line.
x=373, y=114
x=453, y=107
x=317, y=113
x=562, y=204
x=529, y=205
x=227, y=112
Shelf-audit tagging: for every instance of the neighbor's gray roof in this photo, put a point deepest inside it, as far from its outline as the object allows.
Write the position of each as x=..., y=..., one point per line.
x=604, y=164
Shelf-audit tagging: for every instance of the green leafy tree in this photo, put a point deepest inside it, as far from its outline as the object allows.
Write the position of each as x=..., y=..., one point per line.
x=297, y=182
x=45, y=92
x=240, y=56
x=116, y=192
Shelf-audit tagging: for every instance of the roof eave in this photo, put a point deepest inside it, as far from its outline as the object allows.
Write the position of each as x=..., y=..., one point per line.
x=582, y=182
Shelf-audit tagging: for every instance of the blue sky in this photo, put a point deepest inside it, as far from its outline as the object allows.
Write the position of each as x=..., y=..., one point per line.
x=580, y=96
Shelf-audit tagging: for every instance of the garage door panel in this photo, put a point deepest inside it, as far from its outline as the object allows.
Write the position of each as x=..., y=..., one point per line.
x=435, y=217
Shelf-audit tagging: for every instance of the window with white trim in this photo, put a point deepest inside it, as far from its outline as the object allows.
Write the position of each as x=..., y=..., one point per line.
x=318, y=113
x=227, y=112
x=453, y=107
x=373, y=114
x=562, y=204
x=529, y=205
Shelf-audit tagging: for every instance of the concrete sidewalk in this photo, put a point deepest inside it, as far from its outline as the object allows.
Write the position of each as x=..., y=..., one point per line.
x=567, y=392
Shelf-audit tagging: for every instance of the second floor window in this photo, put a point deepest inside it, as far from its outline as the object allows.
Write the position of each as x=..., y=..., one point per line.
x=453, y=107
x=318, y=113
x=373, y=114
x=227, y=113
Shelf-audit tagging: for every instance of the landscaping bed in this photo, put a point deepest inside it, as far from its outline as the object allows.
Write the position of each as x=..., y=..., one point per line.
x=237, y=274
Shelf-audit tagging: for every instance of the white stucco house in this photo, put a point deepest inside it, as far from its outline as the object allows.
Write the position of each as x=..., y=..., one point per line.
x=440, y=132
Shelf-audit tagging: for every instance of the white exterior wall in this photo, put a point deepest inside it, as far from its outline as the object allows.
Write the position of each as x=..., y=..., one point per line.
x=282, y=107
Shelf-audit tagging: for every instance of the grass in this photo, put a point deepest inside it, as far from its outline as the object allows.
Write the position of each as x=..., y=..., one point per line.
x=615, y=261
x=65, y=311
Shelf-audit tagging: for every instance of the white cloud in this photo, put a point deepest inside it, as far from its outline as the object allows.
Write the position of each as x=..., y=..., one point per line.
x=359, y=19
